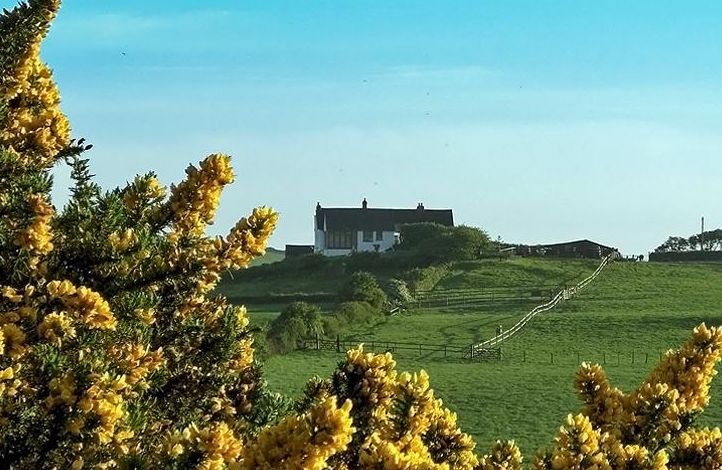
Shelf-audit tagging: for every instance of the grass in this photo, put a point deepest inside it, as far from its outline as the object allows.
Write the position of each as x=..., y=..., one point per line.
x=516, y=272
x=641, y=309
x=272, y=256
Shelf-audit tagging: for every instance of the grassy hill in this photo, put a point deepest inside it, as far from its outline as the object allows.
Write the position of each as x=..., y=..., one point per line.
x=633, y=312
x=272, y=256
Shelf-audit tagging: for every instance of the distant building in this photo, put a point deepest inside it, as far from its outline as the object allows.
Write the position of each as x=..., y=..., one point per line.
x=298, y=250
x=344, y=230
x=574, y=249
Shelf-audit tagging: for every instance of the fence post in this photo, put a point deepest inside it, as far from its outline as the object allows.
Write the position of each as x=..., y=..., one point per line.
x=605, y=358
x=578, y=360
x=552, y=356
x=318, y=343
x=444, y=351
x=471, y=351
x=632, y=357
x=646, y=357
x=338, y=343
x=523, y=357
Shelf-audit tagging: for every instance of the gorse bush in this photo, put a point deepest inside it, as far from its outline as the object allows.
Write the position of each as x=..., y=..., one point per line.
x=114, y=354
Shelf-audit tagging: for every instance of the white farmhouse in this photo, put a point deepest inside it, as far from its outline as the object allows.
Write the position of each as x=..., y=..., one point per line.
x=344, y=230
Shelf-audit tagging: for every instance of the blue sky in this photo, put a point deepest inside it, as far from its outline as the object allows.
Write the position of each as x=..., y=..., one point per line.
x=537, y=121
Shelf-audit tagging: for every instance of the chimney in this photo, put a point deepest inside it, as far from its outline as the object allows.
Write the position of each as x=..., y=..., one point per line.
x=420, y=207
x=364, y=204
x=318, y=206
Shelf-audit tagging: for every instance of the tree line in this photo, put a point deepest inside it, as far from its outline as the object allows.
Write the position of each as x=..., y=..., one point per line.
x=710, y=240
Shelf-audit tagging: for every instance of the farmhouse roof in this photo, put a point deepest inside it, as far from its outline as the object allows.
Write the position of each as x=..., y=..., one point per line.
x=366, y=218
x=577, y=242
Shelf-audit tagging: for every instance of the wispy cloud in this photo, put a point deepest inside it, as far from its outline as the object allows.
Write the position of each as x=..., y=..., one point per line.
x=104, y=26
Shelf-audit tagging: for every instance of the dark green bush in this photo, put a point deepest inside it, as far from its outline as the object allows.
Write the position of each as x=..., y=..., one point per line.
x=297, y=321
x=363, y=287
x=355, y=313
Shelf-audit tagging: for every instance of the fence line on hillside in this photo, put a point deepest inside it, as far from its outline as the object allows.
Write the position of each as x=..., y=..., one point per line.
x=374, y=345
x=450, y=352
x=564, y=294
x=484, y=296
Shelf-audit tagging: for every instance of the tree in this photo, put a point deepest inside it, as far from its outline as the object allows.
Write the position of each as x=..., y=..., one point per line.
x=673, y=244
x=440, y=243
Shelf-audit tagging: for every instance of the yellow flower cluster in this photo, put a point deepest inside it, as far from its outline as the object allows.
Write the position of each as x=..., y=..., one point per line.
x=247, y=240
x=34, y=127
x=401, y=425
x=305, y=441
x=195, y=200
x=14, y=341
x=9, y=384
x=123, y=241
x=84, y=304
x=103, y=400
x=217, y=443
x=505, y=455
x=56, y=327
x=136, y=362
x=244, y=358
x=698, y=450
x=618, y=430
x=677, y=388
x=37, y=238
x=142, y=193
x=580, y=446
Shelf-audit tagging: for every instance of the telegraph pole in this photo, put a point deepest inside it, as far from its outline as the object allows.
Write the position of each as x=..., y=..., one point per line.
x=702, y=234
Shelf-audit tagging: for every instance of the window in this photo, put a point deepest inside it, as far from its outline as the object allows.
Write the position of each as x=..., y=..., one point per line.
x=368, y=235
x=340, y=240
x=379, y=235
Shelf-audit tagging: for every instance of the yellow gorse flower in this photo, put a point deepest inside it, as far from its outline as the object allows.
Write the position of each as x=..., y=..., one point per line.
x=34, y=128
x=84, y=304
x=195, y=200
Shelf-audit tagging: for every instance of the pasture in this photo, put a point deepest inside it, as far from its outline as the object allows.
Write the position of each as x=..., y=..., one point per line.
x=627, y=318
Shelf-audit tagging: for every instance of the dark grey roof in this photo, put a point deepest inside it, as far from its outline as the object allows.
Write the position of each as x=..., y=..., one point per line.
x=578, y=242
x=379, y=219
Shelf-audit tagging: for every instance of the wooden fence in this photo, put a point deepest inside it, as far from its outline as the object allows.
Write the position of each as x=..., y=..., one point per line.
x=483, y=296
x=484, y=351
x=517, y=355
x=421, y=349
x=564, y=294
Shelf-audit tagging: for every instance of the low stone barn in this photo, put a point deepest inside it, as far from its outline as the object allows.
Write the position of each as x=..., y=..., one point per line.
x=298, y=250
x=573, y=249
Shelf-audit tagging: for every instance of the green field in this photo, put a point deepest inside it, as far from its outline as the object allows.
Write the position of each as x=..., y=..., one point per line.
x=632, y=312
x=272, y=256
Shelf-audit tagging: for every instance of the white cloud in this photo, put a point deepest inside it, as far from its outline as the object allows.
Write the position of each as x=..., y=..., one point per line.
x=130, y=26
